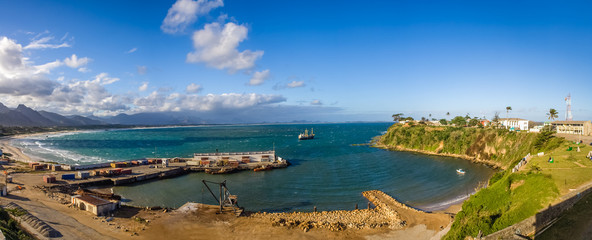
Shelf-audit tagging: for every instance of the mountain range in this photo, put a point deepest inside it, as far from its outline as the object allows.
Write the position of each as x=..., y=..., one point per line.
x=23, y=116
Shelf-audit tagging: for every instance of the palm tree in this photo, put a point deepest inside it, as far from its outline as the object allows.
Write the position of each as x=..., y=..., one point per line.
x=508, y=109
x=552, y=114
x=397, y=117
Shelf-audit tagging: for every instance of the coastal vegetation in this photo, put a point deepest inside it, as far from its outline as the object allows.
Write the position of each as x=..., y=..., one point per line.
x=496, y=147
x=509, y=197
x=10, y=227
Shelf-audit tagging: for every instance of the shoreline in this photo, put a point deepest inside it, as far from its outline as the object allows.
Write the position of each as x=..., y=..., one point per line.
x=19, y=155
x=491, y=164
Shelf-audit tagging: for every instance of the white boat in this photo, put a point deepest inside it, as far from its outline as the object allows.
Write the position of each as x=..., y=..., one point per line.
x=460, y=171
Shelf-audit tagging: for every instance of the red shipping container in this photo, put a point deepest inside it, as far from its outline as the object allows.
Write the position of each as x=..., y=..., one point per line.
x=126, y=171
x=159, y=161
x=49, y=178
x=151, y=161
x=135, y=163
x=117, y=171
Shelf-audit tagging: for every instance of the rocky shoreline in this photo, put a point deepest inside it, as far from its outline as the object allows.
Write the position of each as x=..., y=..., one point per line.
x=492, y=164
x=387, y=213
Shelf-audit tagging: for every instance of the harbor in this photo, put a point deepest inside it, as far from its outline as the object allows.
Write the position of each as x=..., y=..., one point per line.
x=133, y=171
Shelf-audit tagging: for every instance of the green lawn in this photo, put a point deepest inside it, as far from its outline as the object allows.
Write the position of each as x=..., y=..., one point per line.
x=569, y=170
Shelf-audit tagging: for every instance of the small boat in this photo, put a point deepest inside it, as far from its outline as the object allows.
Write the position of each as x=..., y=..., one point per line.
x=460, y=171
x=263, y=168
x=305, y=135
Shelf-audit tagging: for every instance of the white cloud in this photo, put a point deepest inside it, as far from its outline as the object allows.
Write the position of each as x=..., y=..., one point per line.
x=46, y=68
x=193, y=88
x=316, y=102
x=75, y=62
x=157, y=102
x=295, y=84
x=104, y=79
x=185, y=12
x=143, y=87
x=131, y=50
x=217, y=47
x=18, y=76
x=83, y=70
x=42, y=43
x=142, y=70
x=259, y=77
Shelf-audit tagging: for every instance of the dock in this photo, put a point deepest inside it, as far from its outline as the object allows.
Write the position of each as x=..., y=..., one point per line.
x=132, y=171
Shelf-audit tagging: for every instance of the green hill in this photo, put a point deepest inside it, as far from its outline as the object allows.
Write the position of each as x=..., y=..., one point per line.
x=497, y=147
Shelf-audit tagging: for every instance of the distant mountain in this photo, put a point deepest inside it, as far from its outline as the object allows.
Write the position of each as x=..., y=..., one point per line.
x=27, y=117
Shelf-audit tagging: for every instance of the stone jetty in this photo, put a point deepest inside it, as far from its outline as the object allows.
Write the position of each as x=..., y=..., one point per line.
x=387, y=213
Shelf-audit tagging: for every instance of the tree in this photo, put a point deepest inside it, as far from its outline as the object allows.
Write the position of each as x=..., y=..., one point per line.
x=467, y=117
x=473, y=122
x=397, y=117
x=423, y=119
x=443, y=121
x=552, y=114
x=508, y=109
x=447, y=113
x=459, y=121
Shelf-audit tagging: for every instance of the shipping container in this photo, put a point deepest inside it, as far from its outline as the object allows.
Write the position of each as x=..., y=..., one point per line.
x=135, y=163
x=126, y=171
x=33, y=164
x=38, y=167
x=116, y=171
x=70, y=176
x=204, y=162
x=158, y=161
x=56, y=167
x=151, y=161
x=49, y=178
x=83, y=174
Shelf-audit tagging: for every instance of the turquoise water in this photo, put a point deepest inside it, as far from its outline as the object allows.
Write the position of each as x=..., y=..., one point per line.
x=329, y=172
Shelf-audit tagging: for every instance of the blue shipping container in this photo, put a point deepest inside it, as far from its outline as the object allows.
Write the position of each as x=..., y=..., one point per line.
x=69, y=176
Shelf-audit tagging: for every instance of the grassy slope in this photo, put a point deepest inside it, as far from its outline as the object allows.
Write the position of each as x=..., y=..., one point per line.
x=10, y=227
x=510, y=197
x=496, y=146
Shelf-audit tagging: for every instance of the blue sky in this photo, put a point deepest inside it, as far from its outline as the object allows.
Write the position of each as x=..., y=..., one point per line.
x=297, y=60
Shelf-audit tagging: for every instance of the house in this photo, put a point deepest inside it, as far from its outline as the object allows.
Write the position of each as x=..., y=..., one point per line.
x=514, y=123
x=485, y=122
x=95, y=205
x=573, y=127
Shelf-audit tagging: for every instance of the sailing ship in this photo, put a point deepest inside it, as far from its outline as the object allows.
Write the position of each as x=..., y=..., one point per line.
x=305, y=135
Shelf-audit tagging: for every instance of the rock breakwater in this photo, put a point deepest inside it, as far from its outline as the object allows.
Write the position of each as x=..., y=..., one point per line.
x=385, y=214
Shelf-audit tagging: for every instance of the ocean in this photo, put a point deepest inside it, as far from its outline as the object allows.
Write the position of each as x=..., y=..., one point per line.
x=329, y=172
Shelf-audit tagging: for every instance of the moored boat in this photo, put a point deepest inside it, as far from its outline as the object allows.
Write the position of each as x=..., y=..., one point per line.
x=305, y=135
x=460, y=171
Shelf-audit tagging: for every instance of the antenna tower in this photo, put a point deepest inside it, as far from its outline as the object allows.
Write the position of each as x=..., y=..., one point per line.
x=568, y=116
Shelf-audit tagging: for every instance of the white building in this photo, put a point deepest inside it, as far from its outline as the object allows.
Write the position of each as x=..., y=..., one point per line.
x=95, y=205
x=514, y=123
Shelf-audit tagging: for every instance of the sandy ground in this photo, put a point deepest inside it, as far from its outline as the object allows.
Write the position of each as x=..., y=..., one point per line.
x=134, y=223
